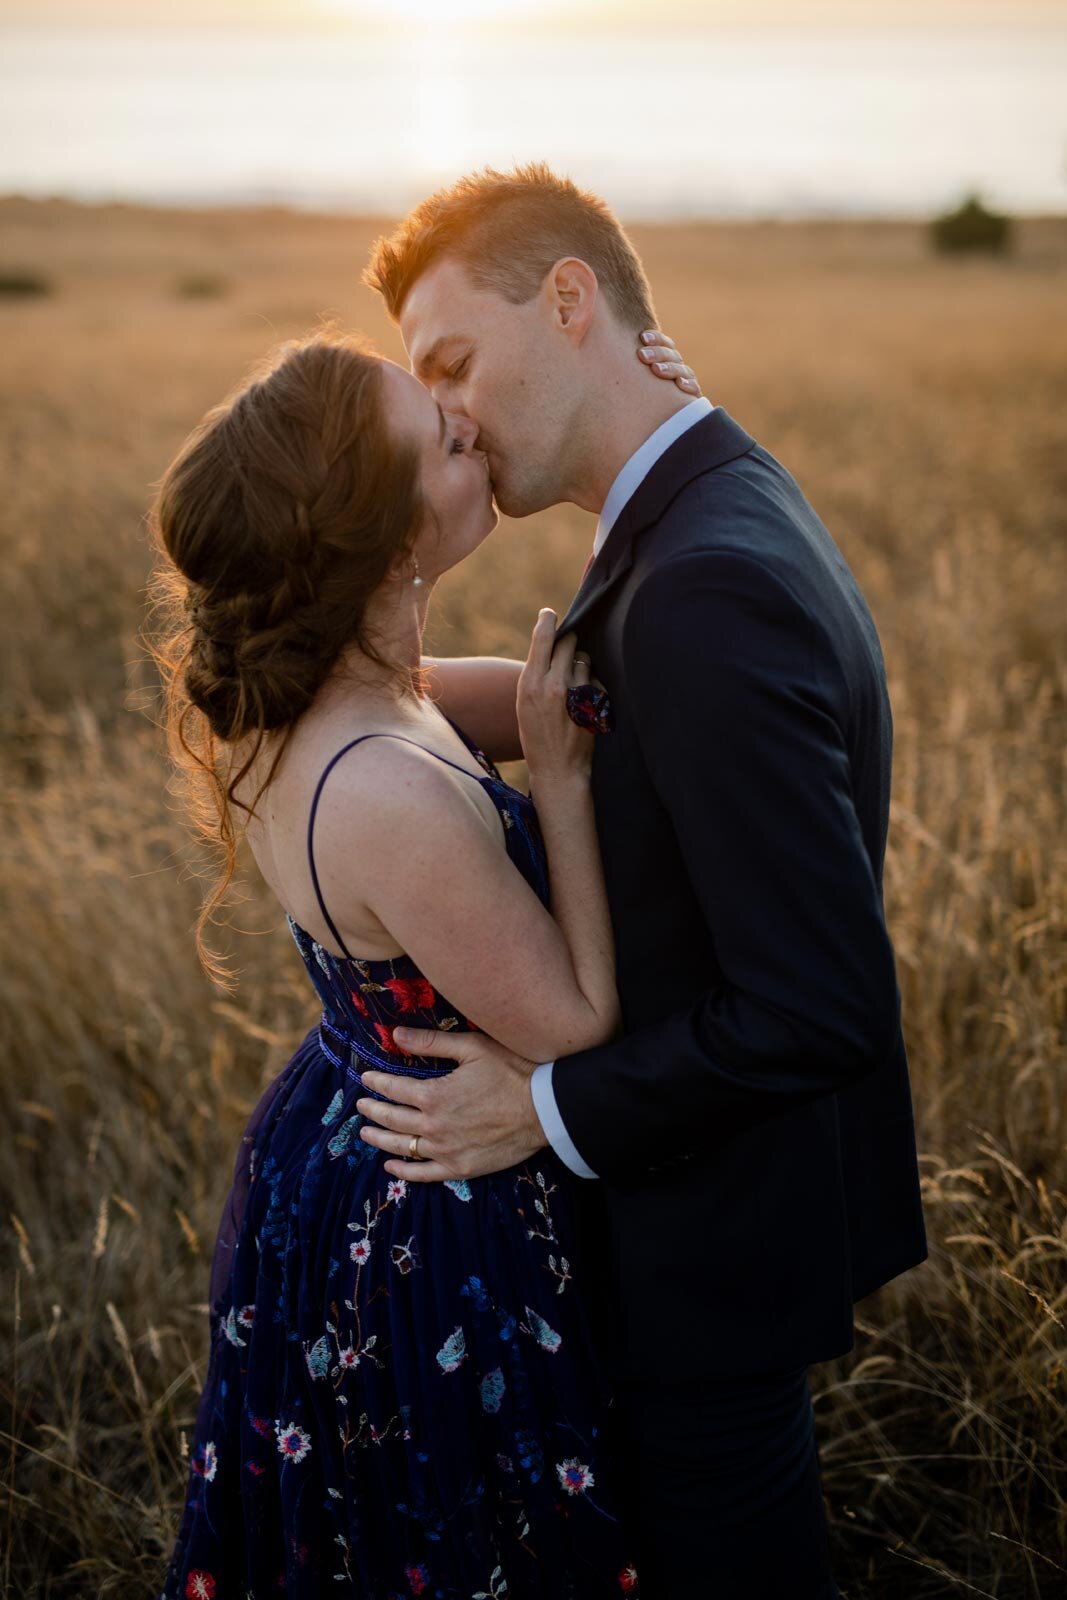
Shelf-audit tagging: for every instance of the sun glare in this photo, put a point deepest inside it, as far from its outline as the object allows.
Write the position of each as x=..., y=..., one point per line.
x=439, y=11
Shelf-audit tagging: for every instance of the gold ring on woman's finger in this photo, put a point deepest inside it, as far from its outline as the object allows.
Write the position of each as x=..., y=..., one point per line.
x=413, y=1147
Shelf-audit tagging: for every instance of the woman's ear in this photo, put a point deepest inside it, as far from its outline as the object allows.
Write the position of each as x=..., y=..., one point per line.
x=402, y=568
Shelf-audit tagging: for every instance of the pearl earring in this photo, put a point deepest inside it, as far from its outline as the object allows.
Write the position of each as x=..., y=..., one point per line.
x=416, y=581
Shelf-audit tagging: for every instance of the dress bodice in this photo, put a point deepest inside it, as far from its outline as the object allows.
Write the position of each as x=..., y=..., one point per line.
x=365, y=999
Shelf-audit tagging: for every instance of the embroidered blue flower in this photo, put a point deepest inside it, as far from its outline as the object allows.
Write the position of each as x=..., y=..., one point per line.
x=492, y=1389
x=475, y=1289
x=453, y=1351
x=333, y=1110
x=546, y=1337
x=318, y=1357
x=343, y=1137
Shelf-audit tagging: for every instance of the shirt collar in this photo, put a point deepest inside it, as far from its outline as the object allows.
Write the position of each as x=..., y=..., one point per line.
x=643, y=460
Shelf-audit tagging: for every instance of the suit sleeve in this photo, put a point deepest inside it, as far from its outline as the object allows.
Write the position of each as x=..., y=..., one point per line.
x=740, y=708
x=552, y=1124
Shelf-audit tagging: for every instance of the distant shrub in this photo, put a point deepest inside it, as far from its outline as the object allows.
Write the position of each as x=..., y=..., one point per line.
x=200, y=286
x=971, y=227
x=24, y=283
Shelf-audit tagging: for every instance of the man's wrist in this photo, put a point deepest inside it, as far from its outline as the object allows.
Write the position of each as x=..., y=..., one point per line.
x=531, y=1121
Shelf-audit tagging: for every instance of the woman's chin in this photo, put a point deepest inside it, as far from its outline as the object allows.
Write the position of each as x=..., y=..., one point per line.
x=477, y=540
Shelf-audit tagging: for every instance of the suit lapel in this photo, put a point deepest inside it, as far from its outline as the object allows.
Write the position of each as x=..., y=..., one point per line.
x=710, y=443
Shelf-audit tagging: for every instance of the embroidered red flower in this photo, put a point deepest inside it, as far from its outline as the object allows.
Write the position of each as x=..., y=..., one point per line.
x=417, y=1577
x=628, y=1579
x=385, y=1034
x=411, y=994
x=359, y=1003
x=199, y=1586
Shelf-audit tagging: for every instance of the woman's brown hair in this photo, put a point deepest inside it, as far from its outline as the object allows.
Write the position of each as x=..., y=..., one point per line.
x=275, y=523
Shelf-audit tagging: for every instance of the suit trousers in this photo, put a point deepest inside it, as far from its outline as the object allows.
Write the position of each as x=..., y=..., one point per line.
x=721, y=1485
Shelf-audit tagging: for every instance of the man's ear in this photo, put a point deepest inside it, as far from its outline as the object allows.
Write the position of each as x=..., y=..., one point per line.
x=572, y=289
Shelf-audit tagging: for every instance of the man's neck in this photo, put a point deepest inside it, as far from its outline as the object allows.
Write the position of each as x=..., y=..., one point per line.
x=629, y=412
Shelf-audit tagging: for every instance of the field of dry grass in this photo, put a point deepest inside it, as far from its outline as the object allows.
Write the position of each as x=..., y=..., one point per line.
x=923, y=406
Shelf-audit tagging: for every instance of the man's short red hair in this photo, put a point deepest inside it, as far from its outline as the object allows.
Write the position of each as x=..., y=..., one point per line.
x=508, y=229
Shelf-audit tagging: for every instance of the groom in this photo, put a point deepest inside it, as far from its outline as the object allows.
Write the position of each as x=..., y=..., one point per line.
x=752, y=1128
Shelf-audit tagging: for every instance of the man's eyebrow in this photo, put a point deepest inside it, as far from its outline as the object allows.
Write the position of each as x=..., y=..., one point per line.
x=427, y=362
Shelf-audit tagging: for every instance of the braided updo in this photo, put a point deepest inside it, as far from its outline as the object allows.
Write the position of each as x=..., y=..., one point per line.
x=276, y=522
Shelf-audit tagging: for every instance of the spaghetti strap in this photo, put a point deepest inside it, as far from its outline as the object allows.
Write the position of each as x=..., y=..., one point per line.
x=334, y=759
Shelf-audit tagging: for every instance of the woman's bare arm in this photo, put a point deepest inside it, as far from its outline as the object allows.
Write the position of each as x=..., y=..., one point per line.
x=478, y=693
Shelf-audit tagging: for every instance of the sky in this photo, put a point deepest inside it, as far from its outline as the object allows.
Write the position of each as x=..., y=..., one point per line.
x=669, y=15
x=671, y=108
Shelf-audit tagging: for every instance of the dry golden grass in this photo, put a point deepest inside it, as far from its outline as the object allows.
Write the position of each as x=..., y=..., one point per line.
x=921, y=404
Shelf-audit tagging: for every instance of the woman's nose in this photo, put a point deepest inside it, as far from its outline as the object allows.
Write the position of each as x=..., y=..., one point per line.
x=462, y=427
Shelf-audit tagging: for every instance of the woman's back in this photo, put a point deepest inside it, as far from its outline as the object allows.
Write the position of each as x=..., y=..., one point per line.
x=277, y=834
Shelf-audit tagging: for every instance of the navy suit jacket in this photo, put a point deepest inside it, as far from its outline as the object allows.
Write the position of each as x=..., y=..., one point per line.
x=753, y=1123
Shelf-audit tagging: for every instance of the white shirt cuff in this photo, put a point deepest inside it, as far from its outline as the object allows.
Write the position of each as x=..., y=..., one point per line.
x=544, y=1100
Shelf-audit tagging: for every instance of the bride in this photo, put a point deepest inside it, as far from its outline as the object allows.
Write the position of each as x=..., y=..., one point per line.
x=403, y=1394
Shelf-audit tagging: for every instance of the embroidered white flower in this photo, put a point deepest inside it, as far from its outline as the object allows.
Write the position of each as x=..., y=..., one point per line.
x=360, y=1250
x=574, y=1476
x=293, y=1442
x=208, y=1463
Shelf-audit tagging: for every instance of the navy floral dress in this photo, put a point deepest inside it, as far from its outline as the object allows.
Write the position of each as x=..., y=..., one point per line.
x=403, y=1394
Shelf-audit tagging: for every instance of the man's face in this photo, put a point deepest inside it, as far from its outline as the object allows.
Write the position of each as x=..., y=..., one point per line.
x=505, y=368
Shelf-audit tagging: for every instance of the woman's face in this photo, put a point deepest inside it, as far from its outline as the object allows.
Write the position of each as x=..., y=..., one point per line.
x=455, y=476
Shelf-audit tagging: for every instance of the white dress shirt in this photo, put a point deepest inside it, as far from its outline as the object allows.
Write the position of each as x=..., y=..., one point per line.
x=632, y=475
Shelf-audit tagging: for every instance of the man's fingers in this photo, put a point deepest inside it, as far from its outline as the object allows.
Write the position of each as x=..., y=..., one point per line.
x=396, y=1144
x=424, y=1042
x=392, y=1085
x=401, y=1119
x=418, y=1171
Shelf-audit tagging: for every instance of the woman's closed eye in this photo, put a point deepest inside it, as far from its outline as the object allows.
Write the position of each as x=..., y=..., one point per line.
x=459, y=368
